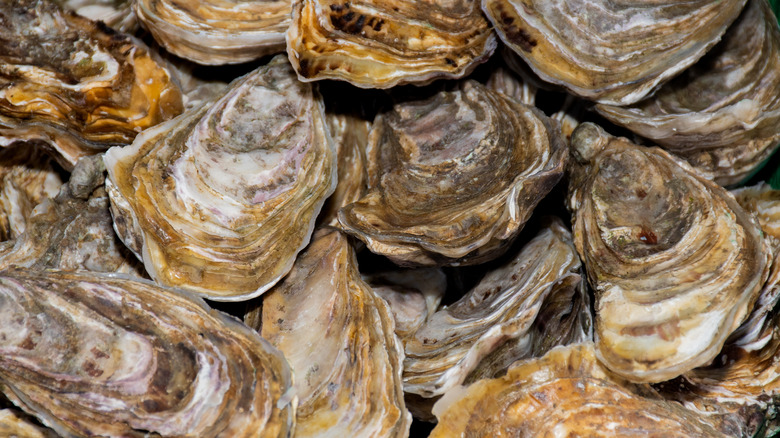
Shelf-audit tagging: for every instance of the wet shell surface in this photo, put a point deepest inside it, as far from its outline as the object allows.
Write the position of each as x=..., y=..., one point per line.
x=117, y=14
x=220, y=200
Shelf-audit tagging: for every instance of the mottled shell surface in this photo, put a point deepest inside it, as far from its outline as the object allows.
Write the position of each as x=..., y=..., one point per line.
x=117, y=14
x=13, y=424
x=723, y=114
x=76, y=84
x=566, y=393
x=675, y=263
x=453, y=179
x=614, y=52
x=220, y=200
x=496, y=316
x=217, y=32
x=380, y=44
x=101, y=355
x=338, y=336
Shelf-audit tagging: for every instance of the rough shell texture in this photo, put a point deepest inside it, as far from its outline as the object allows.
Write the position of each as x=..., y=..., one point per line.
x=675, y=263
x=76, y=84
x=13, y=424
x=220, y=200
x=491, y=326
x=566, y=393
x=453, y=179
x=117, y=14
x=97, y=354
x=723, y=114
x=380, y=44
x=338, y=336
x=611, y=51
x=217, y=31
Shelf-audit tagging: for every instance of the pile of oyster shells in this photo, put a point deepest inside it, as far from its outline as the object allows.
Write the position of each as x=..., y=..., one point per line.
x=505, y=218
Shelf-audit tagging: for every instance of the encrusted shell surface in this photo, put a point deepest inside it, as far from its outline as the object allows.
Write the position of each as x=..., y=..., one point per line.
x=221, y=199
x=723, y=114
x=453, y=179
x=338, y=336
x=101, y=355
x=76, y=84
x=675, y=263
x=217, y=32
x=614, y=52
x=565, y=393
x=380, y=44
x=491, y=326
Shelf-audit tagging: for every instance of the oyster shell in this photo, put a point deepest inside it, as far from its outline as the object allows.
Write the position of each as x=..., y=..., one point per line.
x=220, y=200
x=97, y=354
x=675, y=263
x=380, y=44
x=614, y=52
x=723, y=114
x=14, y=425
x=217, y=32
x=76, y=84
x=338, y=336
x=117, y=14
x=491, y=326
x=565, y=393
x=453, y=179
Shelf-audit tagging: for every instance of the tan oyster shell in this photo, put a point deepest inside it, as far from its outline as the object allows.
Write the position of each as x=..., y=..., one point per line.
x=565, y=393
x=675, y=263
x=613, y=52
x=14, y=425
x=380, y=44
x=453, y=179
x=76, y=84
x=217, y=31
x=723, y=114
x=97, y=354
x=220, y=200
x=492, y=325
x=117, y=14
x=338, y=336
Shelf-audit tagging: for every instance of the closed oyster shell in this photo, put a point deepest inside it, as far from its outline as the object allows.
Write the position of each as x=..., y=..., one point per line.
x=565, y=393
x=723, y=114
x=675, y=263
x=491, y=326
x=380, y=44
x=614, y=52
x=217, y=32
x=338, y=336
x=453, y=179
x=75, y=84
x=97, y=354
x=220, y=200
x=117, y=14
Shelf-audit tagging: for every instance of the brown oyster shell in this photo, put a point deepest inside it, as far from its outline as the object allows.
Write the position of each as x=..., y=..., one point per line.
x=97, y=354
x=338, y=336
x=566, y=393
x=76, y=84
x=493, y=324
x=217, y=32
x=117, y=14
x=13, y=424
x=380, y=44
x=453, y=179
x=723, y=114
x=675, y=263
x=613, y=52
x=220, y=200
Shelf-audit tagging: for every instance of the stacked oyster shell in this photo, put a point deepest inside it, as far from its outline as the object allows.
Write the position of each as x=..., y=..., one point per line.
x=477, y=250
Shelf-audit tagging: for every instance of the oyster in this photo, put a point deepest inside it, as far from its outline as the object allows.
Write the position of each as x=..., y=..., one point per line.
x=14, y=425
x=217, y=31
x=380, y=44
x=614, y=52
x=565, y=393
x=676, y=264
x=75, y=84
x=491, y=326
x=338, y=336
x=452, y=179
x=723, y=114
x=221, y=199
x=27, y=177
x=117, y=14
x=101, y=355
